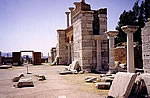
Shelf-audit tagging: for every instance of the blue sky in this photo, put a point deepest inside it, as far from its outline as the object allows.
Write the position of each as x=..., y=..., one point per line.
x=32, y=24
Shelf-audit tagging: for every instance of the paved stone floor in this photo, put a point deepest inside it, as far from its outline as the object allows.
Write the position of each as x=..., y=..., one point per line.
x=56, y=86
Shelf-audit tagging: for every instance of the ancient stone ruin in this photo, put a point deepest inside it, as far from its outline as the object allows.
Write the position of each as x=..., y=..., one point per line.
x=146, y=47
x=84, y=40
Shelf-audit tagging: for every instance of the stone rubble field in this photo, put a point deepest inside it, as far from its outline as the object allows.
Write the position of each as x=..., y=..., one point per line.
x=55, y=85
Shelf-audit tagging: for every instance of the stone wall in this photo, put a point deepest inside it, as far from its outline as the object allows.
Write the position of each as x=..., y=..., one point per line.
x=86, y=37
x=104, y=43
x=146, y=47
x=61, y=47
x=82, y=38
x=120, y=54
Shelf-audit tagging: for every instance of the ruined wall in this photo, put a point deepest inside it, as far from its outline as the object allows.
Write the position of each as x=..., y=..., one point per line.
x=146, y=47
x=61, y=47
x=82, y=37
x=102, y=29
x=120, y=55
x=36, y=59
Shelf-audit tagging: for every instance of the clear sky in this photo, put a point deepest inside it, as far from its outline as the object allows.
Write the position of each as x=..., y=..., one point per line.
x=32, y=24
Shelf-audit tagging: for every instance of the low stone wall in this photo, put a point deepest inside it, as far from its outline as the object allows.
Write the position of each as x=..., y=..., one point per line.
x=120, y=55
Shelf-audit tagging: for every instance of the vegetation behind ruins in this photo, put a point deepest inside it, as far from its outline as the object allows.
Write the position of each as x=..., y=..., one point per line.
x=137, y=16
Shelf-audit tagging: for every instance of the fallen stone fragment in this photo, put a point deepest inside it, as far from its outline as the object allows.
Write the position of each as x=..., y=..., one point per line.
x=92, y=79
x=81, y=72
x=16, y=79
x=74, y=66
x=146, y=78
x=41, y=78
x=25, y=83
x=21, y=75
x=122, y=85
x=103, y=85
x=5, y=66
x=65, y=72
x=106, y=79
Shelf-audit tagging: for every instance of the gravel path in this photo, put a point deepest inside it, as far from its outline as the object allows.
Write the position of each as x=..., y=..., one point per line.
x=55, y=85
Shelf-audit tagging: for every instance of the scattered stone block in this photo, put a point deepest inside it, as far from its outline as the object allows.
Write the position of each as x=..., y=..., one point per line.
x=5, y=66
x=103, y=85
x=41, y=78
x=21, y=75
x=74, y=66
x=81, y=72
x=25, y=83
x=16, y=79
x=90, y=79
x=146, y=78
x=106, y=79
x=65, y=72
x=122, y=85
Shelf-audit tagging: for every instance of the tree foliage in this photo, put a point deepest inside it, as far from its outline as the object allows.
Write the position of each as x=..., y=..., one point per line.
x=137, y=17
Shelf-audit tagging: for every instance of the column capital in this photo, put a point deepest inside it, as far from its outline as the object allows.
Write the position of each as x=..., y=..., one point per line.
x=71, y=8
x=67, y=13
x=112, y=33
x=129, y=28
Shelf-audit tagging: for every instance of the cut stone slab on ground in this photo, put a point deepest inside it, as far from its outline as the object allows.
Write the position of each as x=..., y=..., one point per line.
x=122, y=85
x=103, y=85
x=25, y=83
x=5, y=66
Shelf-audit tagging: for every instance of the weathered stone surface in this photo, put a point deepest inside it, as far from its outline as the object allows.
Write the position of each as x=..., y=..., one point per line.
x=146, y=78
x=74, y=66
x=5, y=66
x=90, y=79
x=146, y=46
x=16, y=79
x=106, y=79
x=103, y=85
x=65, y=72
x=122, y=85
x=41, y=78
x=25, y=83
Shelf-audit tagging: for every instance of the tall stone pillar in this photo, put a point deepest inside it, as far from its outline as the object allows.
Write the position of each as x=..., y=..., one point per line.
x=67, y=13
x=71, y=10
x=69, y=53
x=99, y=66
x=111, y=36
x=130, y=50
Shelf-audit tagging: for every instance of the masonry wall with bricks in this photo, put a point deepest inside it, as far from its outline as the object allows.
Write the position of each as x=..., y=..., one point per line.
x=146, y=47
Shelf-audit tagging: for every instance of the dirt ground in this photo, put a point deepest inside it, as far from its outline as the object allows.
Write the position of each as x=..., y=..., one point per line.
x=55, y=85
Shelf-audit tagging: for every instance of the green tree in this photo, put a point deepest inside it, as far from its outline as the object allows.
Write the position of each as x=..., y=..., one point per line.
x=126, y=18
x=137, y=16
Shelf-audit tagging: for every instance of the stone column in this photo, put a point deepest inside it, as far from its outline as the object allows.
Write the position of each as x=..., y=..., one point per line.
x=71, y=10
x=67, y=13
x=111, y=36
x=98, y=39
x=69, y=53
x=99, y=65
x=130, y=49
